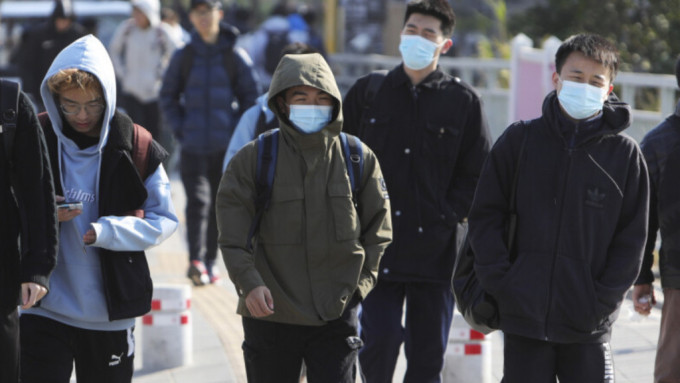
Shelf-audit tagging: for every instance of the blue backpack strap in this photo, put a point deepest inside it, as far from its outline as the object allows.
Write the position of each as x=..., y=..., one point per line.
x=354, y=160
x=267, y=153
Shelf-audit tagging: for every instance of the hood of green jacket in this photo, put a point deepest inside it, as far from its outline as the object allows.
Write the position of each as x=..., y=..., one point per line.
x=312, y=70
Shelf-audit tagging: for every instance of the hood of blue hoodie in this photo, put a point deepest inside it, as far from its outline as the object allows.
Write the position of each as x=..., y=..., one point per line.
x=87, y=54
x=76, y=295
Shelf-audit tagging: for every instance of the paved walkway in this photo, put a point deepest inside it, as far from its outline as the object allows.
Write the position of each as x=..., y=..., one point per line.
x=217, y=332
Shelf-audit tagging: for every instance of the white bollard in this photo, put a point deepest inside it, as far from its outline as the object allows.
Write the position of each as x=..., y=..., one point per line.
x=167, y=337
x=468, y=355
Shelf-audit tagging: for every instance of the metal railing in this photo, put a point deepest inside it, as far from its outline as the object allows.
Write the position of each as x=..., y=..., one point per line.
x=490, y=77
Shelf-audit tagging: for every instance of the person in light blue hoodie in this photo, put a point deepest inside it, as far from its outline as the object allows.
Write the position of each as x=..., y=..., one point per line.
x=102, y=280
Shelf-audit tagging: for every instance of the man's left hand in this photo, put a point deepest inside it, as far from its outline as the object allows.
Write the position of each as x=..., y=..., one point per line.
x=31, y=293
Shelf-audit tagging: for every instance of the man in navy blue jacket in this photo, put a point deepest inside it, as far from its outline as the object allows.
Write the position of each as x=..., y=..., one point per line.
x=202, y=107
x=582, y=204
x=429, y=132
x=662, y=153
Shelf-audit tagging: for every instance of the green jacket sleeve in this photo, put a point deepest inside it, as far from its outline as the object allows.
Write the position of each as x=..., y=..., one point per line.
x=376, y=222
x=235, y=210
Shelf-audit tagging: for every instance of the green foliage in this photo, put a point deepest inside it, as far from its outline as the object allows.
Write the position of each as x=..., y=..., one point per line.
x=647, y=32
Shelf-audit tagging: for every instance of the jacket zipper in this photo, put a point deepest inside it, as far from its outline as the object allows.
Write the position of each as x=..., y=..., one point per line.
x=557, y=242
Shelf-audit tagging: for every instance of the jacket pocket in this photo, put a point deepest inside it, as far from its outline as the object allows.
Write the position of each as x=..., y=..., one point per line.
x=345, y=215
x=282, y=221
x=523, y=290
x=441, y=141
x=574, y=299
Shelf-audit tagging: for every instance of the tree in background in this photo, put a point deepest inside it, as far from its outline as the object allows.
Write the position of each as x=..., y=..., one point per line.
x=647, y=31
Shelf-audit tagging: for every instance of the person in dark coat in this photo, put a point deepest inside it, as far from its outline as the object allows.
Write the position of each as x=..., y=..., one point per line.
x=430, y=134
x=41, y=43
x=582, y=208
x=202, y=104
x=661, y=148
x=28, y=252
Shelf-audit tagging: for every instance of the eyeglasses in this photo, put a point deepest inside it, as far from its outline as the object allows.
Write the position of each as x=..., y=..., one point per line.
x=72, y=108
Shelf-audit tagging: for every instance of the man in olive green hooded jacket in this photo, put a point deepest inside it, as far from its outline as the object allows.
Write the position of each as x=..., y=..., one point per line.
x=315, y=256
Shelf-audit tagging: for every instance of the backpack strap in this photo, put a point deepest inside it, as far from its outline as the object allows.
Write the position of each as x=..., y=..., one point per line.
x=9, y=113
x=352, y=151
x=262, y=124
x=141, y=147
x=375, y=81
x=267, y=153
x=185, y=64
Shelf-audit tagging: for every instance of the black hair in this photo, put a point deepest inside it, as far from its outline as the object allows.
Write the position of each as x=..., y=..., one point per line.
x=63, y=9
x=592, y=46
x=436, y=8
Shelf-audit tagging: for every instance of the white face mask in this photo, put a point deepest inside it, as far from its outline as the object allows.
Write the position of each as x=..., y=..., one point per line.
x=310, y=119
x=581, y=100
x=417, y=51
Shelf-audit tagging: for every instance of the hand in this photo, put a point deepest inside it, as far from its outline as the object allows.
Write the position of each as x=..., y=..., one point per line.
x=64, y=215
x=259, y=302
x=639, y=291
x=31, y=293
x=90, y=237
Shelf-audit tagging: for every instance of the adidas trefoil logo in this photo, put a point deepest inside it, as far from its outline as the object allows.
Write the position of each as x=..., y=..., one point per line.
x=595, y=198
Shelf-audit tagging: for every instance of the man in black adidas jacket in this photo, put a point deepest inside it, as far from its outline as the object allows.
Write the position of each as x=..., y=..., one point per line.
x=28, y=229
x=582, y=203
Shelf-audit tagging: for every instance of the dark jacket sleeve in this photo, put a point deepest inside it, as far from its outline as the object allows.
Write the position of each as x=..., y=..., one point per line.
x=626, y=247
x=36, y=197
x=173, y=111
x=376, y=221
x=646, y=275
x=475, y=146
x=489, y=211
x=247, y=86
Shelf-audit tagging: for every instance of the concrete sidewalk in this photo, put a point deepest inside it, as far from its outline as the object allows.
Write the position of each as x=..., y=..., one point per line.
x=217, y=332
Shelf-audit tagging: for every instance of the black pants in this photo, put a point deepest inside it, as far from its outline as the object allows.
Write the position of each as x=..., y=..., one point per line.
x=146, y=114
x=274, y=352
x=201, y=175
x=535, y=361
x=9, y=346
x=49, y=348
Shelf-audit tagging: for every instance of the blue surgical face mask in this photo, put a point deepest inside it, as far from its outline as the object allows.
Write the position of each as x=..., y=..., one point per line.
x=310, y=119
x=581, y=100
x=416, y=51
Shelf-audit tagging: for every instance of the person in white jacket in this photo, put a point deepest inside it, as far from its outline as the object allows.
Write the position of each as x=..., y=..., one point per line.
x=121, y=206
x=140, y=50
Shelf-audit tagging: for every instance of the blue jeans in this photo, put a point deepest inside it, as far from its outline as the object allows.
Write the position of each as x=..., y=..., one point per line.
x=425, y=334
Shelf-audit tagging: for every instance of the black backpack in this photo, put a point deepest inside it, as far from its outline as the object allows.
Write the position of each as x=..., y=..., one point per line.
x=267, y=153
x=276, y=41
x=262, y=124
